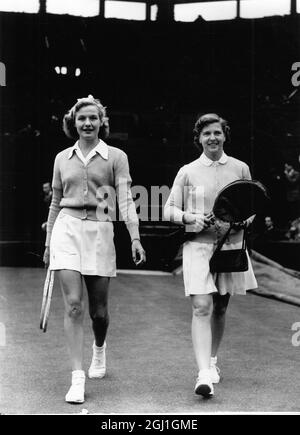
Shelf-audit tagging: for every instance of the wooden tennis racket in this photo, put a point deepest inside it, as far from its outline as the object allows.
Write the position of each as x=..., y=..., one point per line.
x=240, y=200
x=237, y=202
x=47, y=295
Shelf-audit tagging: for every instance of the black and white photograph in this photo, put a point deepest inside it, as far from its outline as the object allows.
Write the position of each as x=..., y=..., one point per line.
x=149, y=210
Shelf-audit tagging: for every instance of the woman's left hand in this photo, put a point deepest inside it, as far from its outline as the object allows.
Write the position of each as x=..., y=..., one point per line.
x=138, y=253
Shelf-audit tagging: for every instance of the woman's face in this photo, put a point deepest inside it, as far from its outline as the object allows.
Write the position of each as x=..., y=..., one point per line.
x=88, y=123
x=212, y=139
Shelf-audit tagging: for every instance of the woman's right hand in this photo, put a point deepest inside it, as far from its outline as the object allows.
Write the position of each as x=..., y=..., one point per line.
x=198, y=220
x=46, y=257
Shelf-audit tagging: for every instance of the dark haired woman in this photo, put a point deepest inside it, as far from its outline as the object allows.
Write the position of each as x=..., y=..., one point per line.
x=190, y=202
x=79, y=244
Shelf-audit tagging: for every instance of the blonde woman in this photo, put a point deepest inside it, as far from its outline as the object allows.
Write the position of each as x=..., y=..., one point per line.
x=79, y=244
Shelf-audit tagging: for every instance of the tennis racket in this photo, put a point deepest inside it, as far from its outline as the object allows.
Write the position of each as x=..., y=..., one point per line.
x=240, y=200
x=46, y=302
x=237, y=202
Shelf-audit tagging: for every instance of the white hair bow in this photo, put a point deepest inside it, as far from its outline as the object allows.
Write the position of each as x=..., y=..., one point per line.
x=94, y=101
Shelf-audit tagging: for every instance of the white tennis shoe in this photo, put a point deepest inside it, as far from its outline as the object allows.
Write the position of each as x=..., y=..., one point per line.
x=204, y=386
x=76, y=391
x=98, y=365
x=214, y=370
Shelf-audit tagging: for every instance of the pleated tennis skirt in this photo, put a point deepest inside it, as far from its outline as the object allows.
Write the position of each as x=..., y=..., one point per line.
x=198, y=280
x=83, y=245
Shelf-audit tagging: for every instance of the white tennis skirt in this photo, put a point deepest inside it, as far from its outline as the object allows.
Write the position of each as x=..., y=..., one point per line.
x=83, y=245
x=198, y=280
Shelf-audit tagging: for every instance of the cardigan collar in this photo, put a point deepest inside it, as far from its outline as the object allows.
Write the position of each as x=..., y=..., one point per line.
x=208, y=162
x=101, y=148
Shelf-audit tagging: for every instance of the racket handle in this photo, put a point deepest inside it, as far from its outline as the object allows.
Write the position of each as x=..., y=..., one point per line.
x=47, y=300
x=45, y=294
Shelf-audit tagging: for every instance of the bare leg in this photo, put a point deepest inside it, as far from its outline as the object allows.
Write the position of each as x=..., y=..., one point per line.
x=71, y=285
x=218, y=320
x=201, y=329
x=97, y=288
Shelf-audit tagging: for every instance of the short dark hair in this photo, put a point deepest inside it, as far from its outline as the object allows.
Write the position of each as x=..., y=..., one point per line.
x=69, y=118
x=205, y=120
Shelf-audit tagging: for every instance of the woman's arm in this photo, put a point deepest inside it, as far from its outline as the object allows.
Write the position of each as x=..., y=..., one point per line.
x=174, y=207
x=57, y=194
x=53, y=212
x=54, y=209
x=127, y=207
x=124, y=196
x=173, y=210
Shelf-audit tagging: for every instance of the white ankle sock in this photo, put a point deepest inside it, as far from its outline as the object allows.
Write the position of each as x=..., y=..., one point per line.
x=214, y=359
x=77, y=374
x=97, y=348
x=76, y=391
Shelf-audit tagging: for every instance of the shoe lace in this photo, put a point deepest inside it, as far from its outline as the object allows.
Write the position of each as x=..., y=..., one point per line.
x=98, y=359
x=203, y=375
x=78, y=381
x=214, y=366
x=217, y=369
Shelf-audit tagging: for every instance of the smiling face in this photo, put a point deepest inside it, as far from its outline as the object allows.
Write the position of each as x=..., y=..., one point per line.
x=46, y=188
x=212, y=139
x=88, y=123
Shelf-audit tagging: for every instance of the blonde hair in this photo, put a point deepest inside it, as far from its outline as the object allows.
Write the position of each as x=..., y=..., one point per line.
x=69, y=118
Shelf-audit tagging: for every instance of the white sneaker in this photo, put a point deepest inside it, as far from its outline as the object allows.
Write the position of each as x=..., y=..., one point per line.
x=214, y=370
x=98, y=365
x=76, y=391
x=204, y=386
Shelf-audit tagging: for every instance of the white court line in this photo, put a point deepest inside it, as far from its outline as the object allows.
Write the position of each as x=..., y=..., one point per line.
x=143, y=272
